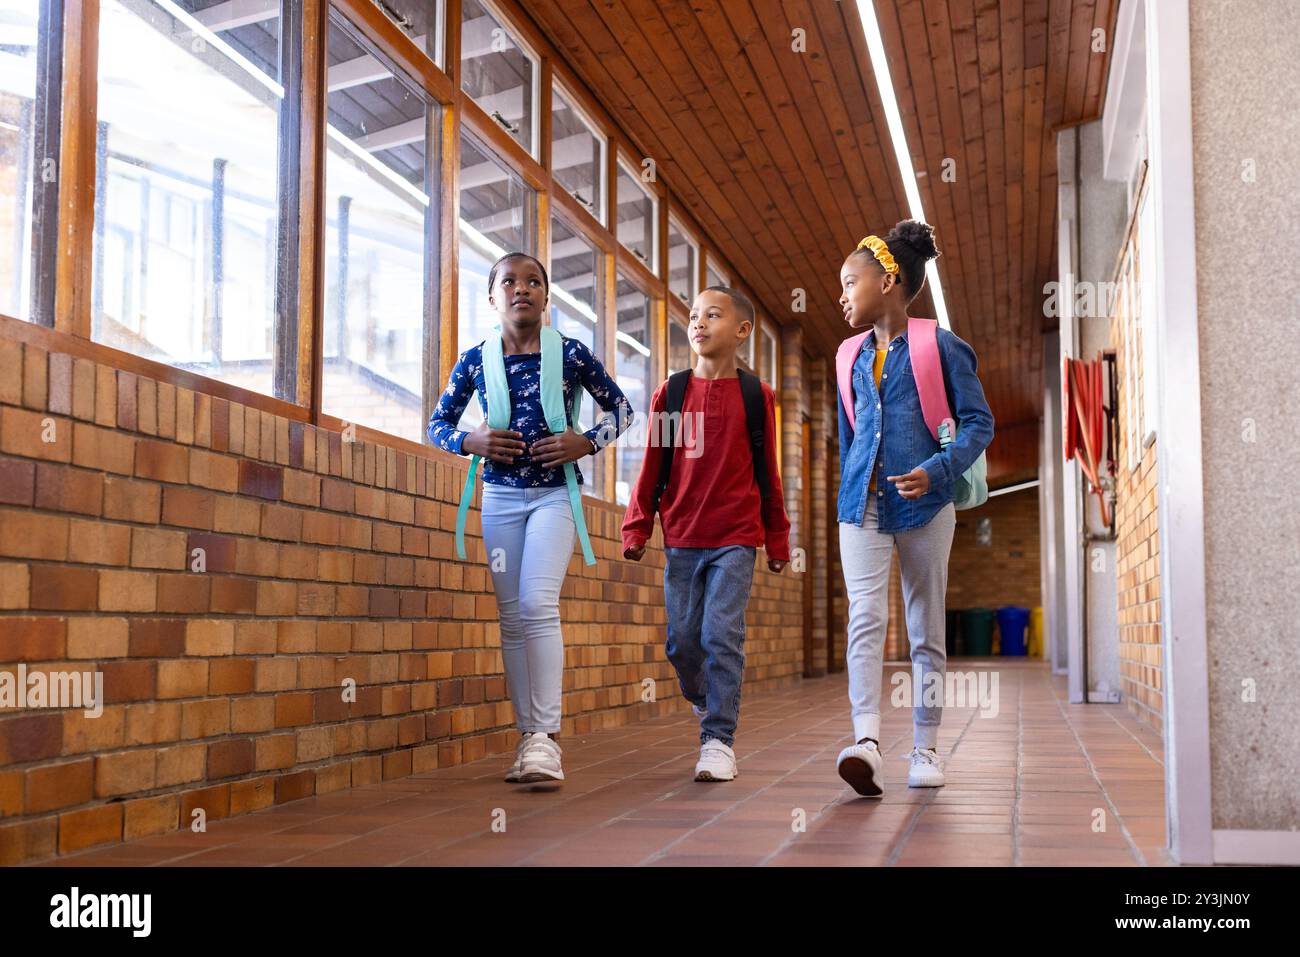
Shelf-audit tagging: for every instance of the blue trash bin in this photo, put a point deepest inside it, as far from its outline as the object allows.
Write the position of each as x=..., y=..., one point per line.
x=1012, y=622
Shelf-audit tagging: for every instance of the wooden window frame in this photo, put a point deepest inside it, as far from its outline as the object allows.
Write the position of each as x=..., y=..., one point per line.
x=621, y=161
x=411, y=64
x=674, y=221
x=560, y=88
x=65, y=325
x=520, y=36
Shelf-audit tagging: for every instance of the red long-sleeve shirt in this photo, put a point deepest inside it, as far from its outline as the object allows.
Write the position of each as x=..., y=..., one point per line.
x=712, y=498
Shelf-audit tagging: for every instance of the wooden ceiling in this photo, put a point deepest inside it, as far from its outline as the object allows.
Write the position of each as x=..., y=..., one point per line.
x=784, y=157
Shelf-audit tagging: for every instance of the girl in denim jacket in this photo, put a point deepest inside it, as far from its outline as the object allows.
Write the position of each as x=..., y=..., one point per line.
x=896, y=491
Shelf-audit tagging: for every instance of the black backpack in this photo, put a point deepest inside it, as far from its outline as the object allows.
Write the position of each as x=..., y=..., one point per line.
x=751, y=391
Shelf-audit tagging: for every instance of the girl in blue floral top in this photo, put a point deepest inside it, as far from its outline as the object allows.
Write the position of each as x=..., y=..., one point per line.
x=528, y=528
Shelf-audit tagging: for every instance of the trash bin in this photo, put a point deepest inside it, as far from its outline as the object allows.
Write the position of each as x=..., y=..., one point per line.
x=977, y=630
x=1036, y=632
x=952, y=634
x=1012, y=622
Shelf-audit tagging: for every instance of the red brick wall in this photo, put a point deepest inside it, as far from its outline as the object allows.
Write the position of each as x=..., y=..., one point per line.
x=1137, y=553
x=1006, y=572
x=325, y=561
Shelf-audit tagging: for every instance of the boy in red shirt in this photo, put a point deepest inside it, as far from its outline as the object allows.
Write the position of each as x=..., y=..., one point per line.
x=714, y=516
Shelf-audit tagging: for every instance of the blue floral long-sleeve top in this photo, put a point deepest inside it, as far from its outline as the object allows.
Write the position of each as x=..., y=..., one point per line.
x=524, y=377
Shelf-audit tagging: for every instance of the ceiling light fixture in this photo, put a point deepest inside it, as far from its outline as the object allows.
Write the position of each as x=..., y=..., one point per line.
x=876, y=47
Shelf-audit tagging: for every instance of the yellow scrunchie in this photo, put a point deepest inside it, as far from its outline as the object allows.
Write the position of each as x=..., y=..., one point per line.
x=881, y=251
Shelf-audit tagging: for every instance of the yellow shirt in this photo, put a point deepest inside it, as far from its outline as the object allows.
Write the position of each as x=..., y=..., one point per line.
x=878, y=369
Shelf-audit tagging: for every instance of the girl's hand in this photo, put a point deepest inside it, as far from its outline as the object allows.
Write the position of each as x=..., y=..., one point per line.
x=775, y=565
x=912, y=485
x=555, y=450
x=499, y=445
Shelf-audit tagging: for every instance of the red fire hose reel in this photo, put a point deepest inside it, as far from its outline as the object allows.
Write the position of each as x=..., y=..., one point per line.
x=1086, y=418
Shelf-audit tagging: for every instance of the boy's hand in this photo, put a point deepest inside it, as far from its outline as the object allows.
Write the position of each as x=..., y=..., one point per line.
x=912, y=485
x=556, y=450
x=636, y=553
x=776, y=565
x=499, y=445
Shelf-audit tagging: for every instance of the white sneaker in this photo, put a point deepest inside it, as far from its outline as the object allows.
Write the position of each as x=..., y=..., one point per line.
x=926, y=771
x=512, y=776
x=717, y=762
x=861, y=766
x=540, y=759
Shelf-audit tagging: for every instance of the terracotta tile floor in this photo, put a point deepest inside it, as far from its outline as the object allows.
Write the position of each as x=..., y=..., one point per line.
x=1042, y=782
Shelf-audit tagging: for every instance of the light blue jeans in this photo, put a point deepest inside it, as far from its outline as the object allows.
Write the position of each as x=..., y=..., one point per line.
x=529, y=533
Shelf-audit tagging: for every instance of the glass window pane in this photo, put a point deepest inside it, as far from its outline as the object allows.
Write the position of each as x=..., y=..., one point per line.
x=498, y=74
x=575, y=273
x=421, y=20
x=632, y=371
x=680, y=355
x=186, y=231
x=575, y=312
x=636, y=218
x=497, y=211
x=18, y=171
x=713, y=277
x=577, y=156
x=378, y=289
x=683, y=264
x=770, y=371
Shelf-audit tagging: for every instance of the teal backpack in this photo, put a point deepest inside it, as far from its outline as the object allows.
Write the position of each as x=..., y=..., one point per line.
x=557, y=420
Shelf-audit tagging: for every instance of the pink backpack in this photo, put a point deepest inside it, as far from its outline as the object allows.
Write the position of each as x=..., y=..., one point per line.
x=969, y=489
x=923, y=348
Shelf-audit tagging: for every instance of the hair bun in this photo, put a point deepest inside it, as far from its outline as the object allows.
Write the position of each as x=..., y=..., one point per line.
x=918, y=235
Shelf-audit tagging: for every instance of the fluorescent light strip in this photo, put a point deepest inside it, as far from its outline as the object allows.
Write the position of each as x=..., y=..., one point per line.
x=1014, y=488
x=876, y=47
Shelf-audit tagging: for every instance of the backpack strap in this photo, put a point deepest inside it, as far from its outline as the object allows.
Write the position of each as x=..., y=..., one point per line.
x=927, y=370
x=557, y=420
x=498, y=417
x=844, y=359
x=673, y=401
x=751, y=392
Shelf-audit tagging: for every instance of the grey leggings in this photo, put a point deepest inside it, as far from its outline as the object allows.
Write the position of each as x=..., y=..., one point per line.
x=529, y=533
x=866, y=553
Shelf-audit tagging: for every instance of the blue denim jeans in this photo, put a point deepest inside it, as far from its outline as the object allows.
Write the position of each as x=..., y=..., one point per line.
x=706, y=591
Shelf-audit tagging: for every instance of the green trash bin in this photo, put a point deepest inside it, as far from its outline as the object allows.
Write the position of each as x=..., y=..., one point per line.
x=977, y=630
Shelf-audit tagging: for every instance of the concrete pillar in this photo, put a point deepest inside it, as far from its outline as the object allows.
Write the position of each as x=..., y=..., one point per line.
x=1245, y=74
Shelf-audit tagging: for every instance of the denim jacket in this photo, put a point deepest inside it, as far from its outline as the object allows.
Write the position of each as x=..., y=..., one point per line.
x=907, y=441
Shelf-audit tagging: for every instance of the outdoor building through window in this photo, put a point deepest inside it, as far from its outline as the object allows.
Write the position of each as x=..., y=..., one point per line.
x=378, y=270
x=187, y=218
